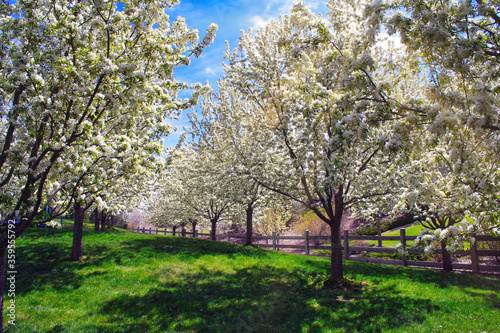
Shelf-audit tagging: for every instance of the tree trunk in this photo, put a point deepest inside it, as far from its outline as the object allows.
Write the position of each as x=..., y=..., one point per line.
x=96, y=220
x=447, y=264
x=77, y=250
x=249, y=224
x=337, y=268
x=194, y=228
x=104, y=217
x=213, y=231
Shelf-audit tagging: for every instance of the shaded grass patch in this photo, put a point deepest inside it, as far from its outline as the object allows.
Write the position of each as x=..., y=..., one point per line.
x=140, y=283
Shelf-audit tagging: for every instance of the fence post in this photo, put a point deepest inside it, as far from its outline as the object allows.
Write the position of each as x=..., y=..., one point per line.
x=402, y=236
x=228, y=237
x=307, y=241
x=274, y=240
x=473, y=254
x=157, y=230
x=379, y=234
x=143, y=230
x=165, y=231
x=346, y=244
x=150, y=230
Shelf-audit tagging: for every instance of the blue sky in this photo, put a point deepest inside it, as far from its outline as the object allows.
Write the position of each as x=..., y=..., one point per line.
x=231, y=16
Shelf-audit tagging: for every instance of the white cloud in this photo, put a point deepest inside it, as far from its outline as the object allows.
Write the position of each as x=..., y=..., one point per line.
x=275, y=8
x=258, y=22
x=209, y=70
x=285, y=6
x=314, y=5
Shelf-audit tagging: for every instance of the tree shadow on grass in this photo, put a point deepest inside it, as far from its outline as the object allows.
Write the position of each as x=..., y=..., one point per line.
x=253, y=299
x=190, y=247
x=43, y=260
x=258, y=299
x=45, y=263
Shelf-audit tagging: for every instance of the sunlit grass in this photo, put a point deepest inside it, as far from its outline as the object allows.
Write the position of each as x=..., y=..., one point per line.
x=139, y=283
x=413, y=230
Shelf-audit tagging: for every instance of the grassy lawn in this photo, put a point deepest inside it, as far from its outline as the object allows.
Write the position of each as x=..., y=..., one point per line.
x=140, y=283
x=413, y=230
x=178, y=231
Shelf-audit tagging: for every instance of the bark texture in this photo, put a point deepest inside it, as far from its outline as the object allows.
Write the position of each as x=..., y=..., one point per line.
x=77, y=250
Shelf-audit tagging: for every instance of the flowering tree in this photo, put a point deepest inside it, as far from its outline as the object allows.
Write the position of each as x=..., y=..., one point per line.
x=136, y=217
x=221, y=129
x=451, y=187
x=104, y=175
x=166, y=208
x=457, y=39
x=326, y=130
x=72, y=72
x=195, y=179
x=456, y=178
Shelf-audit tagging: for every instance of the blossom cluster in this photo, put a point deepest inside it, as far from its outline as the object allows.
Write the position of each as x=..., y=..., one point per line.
x=85, y=88
x=453, y=236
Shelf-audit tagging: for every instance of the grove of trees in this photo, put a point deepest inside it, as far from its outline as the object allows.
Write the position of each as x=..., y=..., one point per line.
x=379, y=107
x=85, y=87
x=338, y=115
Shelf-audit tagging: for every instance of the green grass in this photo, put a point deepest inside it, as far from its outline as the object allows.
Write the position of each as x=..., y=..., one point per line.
x=139, y=283
x=413, y=230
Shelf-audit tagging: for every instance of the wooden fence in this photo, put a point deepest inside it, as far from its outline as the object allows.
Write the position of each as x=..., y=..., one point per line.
x=471, y=262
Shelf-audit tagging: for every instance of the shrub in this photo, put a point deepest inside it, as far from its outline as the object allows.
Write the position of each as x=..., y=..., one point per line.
x=316, y=226
x=271, y=220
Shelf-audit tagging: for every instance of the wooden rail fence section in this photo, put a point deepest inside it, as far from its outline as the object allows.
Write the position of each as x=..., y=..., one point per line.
x=351, y=252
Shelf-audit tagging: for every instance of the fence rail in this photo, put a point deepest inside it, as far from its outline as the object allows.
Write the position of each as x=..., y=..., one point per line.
x=353, y=252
